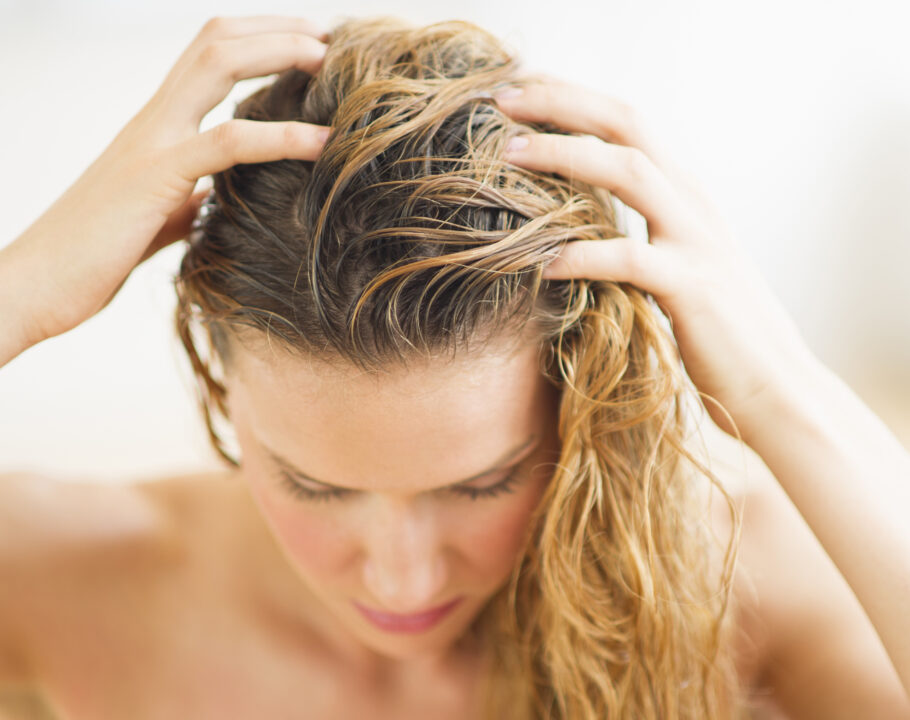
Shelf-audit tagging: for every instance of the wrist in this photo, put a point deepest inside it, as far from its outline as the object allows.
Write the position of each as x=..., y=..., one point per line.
x=796, y=398
x=16, y=333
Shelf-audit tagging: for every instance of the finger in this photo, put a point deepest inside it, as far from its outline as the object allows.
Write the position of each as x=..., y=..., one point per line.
x=579, y=109
x=218, y=66
x=227, y=28
x=219, y=28
x=620, y=259
x=247, y=141
x=576, y=108
x=625, y=171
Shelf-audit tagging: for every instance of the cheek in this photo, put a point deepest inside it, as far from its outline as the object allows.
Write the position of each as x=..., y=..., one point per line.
x=318, y=543
x=493, y=543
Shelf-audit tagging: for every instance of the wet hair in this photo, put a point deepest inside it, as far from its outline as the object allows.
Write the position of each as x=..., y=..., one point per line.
x=410, y=239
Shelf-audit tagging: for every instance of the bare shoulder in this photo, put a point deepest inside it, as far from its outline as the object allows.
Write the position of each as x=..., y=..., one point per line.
x=42, y=516
x=44, y=519
x=66, y=546
x=180, y=499
x=811, y=648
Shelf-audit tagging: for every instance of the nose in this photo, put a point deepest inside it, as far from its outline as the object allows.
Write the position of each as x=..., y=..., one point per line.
x=404, y=567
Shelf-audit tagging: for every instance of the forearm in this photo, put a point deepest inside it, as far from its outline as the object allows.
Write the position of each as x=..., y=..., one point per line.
x=47, y=271
x=14, y=333
x=849, y=477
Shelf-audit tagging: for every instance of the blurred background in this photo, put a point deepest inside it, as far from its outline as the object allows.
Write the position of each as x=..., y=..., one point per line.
x=794, y=115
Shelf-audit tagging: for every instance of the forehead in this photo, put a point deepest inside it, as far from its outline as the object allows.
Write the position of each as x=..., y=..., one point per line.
x=432, y=424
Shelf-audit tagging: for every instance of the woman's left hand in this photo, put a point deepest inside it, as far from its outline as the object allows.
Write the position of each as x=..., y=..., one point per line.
x=737, y=342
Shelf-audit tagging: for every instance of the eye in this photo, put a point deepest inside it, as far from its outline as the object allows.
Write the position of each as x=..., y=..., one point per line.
x=505, y=485
x=296, y=488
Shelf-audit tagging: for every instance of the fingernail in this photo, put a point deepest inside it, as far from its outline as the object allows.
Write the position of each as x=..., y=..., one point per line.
x=507, y=93
x=517, y=143
x=323, y=134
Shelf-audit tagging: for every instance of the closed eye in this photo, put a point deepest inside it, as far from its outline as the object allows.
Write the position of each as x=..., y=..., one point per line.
x=296, y=487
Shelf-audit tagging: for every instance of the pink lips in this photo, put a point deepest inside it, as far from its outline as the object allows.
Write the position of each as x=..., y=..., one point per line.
x=408, y=623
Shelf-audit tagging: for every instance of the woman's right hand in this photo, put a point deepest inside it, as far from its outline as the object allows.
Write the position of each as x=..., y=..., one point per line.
x=137, y=196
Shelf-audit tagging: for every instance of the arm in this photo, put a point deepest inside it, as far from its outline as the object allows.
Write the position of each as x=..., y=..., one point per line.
x=137, y=197
x=13, y=334
x=814, y=653
x=849, y=477
x=843, y=470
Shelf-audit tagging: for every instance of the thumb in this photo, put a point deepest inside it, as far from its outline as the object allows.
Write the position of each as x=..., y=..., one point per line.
x=177, y=226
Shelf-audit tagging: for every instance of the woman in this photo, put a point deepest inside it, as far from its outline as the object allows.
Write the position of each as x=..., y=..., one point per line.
x=462, y=484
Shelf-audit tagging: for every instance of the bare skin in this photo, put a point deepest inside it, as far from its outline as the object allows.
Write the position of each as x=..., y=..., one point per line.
x=171, y=611
x=177, y=617
x=169, y=599
x=172, y=597
x=162, y=599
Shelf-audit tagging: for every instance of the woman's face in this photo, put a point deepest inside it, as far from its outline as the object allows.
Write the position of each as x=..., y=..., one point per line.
x=395, y=538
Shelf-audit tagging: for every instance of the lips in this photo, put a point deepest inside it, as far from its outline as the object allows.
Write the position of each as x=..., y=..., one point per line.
x=418, y=622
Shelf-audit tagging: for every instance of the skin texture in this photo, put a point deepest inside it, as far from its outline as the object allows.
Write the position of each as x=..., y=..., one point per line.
x=402, y=542
x=228, y=617
x=183, y=573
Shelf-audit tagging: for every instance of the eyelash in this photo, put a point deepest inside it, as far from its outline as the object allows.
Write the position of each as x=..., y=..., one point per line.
x=504, y=486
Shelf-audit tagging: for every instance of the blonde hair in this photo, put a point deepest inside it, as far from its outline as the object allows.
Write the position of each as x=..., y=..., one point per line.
x=410, y=235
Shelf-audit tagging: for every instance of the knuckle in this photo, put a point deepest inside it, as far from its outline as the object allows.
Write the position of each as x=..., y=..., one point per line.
x=299, y=41
x=557, y=91
x=571, y=149
x=591, y=144
x=579, y=257
x=560, y=149
x=546, y=92
x=228, y=135
x=628, y=115
x=292, y=134
x=216, y=27
x=635, y=164
x=553, y=145
x=539, y=77
x=569, y=255
x=212, y=57
x=634, y=260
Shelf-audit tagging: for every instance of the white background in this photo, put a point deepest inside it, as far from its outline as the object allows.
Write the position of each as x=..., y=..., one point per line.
x=794, y=115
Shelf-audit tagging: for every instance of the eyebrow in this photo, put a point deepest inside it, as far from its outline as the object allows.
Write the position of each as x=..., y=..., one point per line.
x=502, y=462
